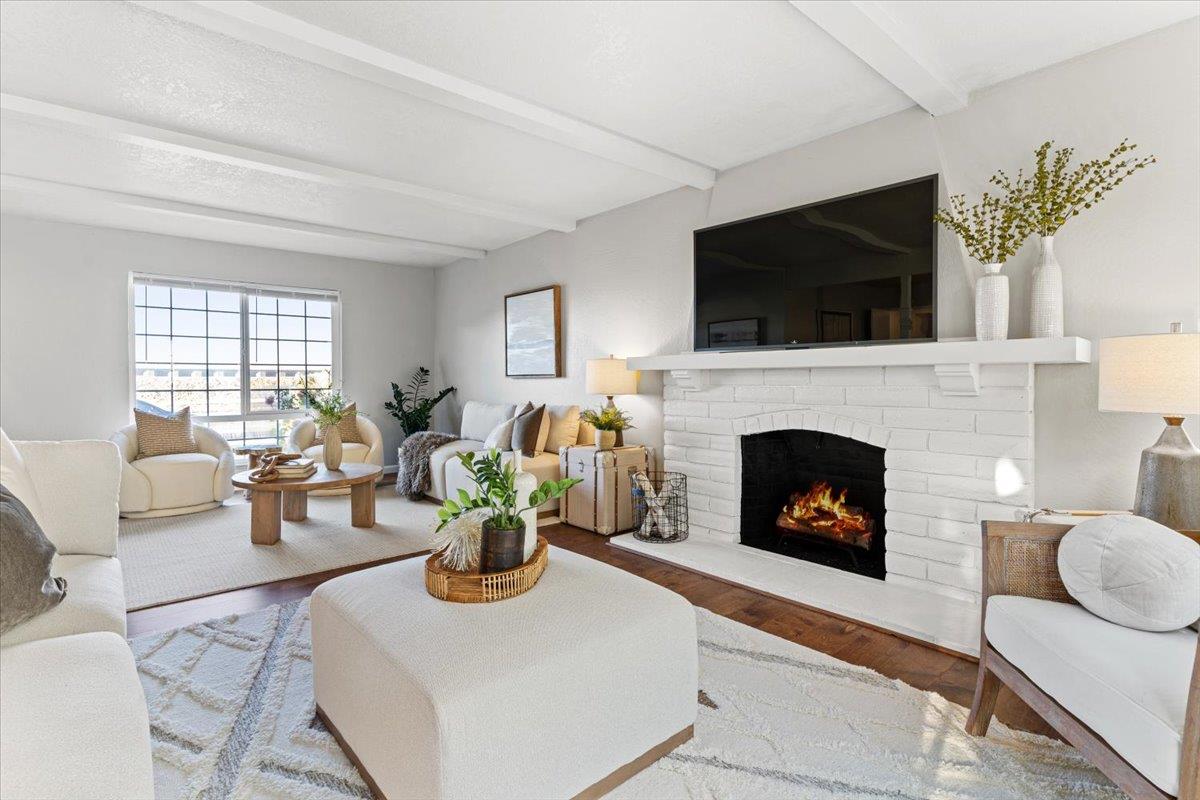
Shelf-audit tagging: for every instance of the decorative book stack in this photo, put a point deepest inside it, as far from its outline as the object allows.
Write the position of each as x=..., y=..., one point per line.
x=299, y=469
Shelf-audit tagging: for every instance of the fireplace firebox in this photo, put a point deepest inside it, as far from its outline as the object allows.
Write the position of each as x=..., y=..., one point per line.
x=815, y=496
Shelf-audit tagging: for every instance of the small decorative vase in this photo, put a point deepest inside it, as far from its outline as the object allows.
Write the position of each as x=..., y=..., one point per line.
x=991, y=304
x=605, y=440
x=1046, y=301
x=332, y=449
x=500, y=548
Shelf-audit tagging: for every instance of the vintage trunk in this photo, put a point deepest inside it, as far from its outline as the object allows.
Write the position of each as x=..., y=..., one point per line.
x=603, y=502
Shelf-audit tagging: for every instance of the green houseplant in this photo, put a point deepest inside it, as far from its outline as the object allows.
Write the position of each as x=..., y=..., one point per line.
x=411, y=406
x=503, y=535
x=607, y=421
x=327, y=410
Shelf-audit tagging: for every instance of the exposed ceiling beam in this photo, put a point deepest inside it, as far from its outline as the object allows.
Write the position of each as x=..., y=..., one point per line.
x=278, y=31
x=174, y=208
x=868, y=31
x=175, y=141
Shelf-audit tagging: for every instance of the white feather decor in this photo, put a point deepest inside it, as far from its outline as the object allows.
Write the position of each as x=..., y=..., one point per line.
x=459, y=541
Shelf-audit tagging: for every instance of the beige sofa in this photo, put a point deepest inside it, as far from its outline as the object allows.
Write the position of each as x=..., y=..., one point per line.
x=478, y=419
x=182, y=483
x=74, y=720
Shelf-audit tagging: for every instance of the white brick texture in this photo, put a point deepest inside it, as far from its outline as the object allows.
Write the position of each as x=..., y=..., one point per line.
x=940, y=453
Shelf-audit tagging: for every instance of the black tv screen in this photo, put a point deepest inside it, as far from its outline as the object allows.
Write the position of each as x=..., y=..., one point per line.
x=852, y=270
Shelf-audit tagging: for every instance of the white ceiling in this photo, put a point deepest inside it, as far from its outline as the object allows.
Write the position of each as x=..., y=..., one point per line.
x=423, y=132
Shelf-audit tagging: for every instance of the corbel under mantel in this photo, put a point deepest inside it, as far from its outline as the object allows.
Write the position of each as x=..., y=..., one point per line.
x=955, y=362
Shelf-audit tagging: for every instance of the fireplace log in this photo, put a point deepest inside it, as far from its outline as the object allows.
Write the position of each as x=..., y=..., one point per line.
x=800, y=527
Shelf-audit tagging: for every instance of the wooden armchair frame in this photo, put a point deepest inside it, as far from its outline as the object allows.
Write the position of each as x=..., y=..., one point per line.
x=1022, y=559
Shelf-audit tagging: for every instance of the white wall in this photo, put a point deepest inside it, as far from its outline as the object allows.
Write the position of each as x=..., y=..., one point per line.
x=1130, y=265
x=64, y=349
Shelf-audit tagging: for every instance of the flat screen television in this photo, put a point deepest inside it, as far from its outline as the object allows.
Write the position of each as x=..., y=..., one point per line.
x=859, y=269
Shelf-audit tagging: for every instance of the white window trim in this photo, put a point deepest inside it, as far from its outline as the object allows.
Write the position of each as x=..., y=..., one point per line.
x=245, y=288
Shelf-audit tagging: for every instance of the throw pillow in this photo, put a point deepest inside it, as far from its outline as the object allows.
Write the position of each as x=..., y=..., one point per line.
x=500, y=437
x=564, y=427
x=527, y=428
x=348, y=428
x=543, y=436
x=15, y=476
x=1133, y=572
x=26, y=586
x=165, y=435
x=478, y=419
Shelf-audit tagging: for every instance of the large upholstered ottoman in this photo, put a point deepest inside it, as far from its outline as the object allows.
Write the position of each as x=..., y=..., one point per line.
x=566, y=690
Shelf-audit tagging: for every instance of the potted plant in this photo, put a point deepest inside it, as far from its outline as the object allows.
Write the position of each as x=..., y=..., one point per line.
x=991, y=231
x=411, y=406
x=607, y=421
x=327, y=409
x=502, y=545
x=1054, y=194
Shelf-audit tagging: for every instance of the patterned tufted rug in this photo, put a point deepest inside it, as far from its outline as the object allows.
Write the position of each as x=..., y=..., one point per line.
x=231, y=712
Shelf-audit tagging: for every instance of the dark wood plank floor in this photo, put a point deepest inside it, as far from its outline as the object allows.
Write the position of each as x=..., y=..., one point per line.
x=921, y=666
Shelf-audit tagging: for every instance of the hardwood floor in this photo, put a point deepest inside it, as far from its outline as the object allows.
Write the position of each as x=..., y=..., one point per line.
x=919, y=665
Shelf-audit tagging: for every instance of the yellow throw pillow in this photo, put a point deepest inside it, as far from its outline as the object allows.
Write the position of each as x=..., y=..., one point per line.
x=159, y=435
x=348, y=427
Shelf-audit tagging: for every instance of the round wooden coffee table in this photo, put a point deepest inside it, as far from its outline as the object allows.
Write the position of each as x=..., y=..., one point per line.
x=274, y=501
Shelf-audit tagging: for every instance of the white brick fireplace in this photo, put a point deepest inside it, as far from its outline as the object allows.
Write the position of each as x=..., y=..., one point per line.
x=956, y=422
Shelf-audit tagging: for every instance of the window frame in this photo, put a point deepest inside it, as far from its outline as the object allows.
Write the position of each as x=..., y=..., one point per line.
x=245, y=291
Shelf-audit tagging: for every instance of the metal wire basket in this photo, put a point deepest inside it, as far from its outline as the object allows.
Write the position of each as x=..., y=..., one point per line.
x=660, y=510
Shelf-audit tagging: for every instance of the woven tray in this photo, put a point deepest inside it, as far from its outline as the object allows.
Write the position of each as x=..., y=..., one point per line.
x=471, y=587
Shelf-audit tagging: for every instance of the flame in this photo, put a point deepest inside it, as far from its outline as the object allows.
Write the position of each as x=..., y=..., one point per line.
x=819, y=508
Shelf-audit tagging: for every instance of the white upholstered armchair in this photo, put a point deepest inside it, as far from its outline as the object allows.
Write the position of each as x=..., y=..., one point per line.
x=370, y=451
x=182, y=483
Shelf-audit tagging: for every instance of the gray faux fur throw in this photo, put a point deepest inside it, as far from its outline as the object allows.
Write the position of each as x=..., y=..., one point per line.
x=412, y=478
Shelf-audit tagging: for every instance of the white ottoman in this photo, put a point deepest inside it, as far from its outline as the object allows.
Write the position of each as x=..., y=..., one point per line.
x=566, y=690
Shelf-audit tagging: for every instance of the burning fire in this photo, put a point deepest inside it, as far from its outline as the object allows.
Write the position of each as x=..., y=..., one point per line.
x=821, y=512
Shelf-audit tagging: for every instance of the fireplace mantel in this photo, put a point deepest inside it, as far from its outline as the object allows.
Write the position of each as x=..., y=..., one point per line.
x=956, y=362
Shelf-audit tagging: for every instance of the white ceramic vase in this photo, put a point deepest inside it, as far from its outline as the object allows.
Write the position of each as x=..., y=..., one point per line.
x=1046, y=300
x=332, y=448
x=605, y=440
x=991, y=304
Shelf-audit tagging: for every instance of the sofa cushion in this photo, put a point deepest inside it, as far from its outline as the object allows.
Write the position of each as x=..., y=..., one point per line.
x=354, y=452
x=528, y=431
x=27, y=588
x=478, y=419
x=179, y=480
x=164, y=434
x=564, y=427
x=95, y=601
x=75, y=720
x=1132, y=571
x=442, y=459
x=1129, y=686
x=500, y=437
x=15, y=476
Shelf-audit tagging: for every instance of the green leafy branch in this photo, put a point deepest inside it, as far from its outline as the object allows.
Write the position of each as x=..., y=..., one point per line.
x=609, y=418
x=410, y=405
x=496, y=491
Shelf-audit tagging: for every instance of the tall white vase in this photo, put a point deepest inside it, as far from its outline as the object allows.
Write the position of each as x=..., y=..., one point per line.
x=991, y=304
x=1046, y=302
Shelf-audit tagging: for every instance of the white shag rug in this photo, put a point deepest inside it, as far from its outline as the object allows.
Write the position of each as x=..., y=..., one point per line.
x=175, y=558
x=232, y=716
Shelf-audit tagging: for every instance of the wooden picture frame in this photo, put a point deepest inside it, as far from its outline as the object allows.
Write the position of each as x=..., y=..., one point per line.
x=533, y=333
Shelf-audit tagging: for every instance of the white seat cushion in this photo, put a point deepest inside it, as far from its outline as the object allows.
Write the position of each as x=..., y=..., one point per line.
x=443, y=457
x=1129, y=686
x=75, y=720
x=179, y=480
x=95, y=601
x=353, y=452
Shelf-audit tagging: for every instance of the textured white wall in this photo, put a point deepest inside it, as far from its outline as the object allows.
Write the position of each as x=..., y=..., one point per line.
x=64, y=349
x=1130, y=265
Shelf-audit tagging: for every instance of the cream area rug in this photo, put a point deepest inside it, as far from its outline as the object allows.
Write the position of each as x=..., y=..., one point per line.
x=176, y=558
x=232, y=716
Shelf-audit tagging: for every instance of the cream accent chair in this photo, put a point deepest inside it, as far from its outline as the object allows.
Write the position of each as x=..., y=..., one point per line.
x=301, y=439
x=182, y=483
x=74, y=714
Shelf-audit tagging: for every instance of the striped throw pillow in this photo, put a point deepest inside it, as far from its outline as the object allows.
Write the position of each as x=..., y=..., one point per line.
x=159, y=435
x=348, y=427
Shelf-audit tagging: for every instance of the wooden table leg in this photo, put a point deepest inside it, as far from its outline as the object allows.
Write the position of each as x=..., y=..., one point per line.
x=295, y=506
x=265, y=522
x=362, y=505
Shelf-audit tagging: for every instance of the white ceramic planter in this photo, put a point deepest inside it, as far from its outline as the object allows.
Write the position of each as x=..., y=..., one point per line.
x=605, y=440
x=991, y=304
x=1046, y=295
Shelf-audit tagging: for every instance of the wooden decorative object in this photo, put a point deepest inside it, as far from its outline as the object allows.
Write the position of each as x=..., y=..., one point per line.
x=471, y=587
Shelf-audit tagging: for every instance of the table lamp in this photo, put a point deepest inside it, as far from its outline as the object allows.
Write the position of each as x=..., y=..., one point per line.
x=1159, y=374
x=609, y=376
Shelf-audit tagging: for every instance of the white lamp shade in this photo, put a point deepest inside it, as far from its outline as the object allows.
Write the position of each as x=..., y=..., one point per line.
x=609, y=376
x=1154, y=373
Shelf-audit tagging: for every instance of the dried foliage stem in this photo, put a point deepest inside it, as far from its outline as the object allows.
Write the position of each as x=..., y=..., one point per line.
x=991, y=230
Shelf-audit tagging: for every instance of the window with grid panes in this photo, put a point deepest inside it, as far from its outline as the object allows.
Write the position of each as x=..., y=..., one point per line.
x=238, y=355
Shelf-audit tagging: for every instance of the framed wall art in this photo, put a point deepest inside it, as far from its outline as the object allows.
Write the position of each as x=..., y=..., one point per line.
x=533, y=333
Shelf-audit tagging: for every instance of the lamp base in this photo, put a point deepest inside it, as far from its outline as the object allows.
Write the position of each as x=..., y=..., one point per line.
x=620, y=442
x=1168, y=489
